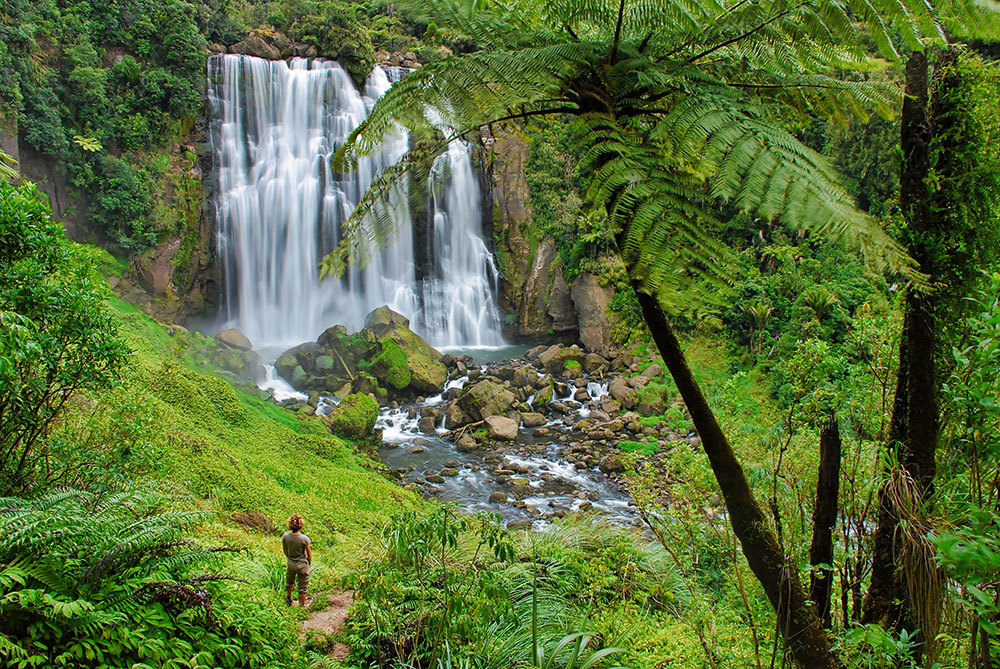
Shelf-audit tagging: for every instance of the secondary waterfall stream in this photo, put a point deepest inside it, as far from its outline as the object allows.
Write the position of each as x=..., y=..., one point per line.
x=280, y=210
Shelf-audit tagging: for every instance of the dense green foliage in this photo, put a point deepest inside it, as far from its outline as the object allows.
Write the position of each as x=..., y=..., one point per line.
x=448, y=588
x=110, y=581
x=95, y=87
x=56, y=336
x=105, y=575
x=788, y=333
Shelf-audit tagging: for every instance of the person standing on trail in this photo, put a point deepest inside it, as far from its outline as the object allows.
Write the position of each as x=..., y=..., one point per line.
x=298, y=550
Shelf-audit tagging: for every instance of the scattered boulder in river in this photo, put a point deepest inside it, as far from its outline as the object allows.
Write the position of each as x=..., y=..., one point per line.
x=532, y=419
x=354, y=417
x=486, y=398
x=466, y=443
x=624, y=395
x=611, y=464
x=556, y=358
x=501, y=427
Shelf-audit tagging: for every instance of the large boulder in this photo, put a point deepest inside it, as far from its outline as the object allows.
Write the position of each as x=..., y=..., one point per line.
x=255, y=45
x=244, y=364
x=235, y=339
x=354, y=418
x=390, y=365
x=502, y=428
x=556, y=357
x=591, y=300
x=486, y=398
x=426, y=375
x=385, y=316
x=542, y=397
x=619, y=389
x=454, y=416
x=611, y=464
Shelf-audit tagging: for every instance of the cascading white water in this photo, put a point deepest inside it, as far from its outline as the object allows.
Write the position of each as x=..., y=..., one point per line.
x=280, y=208
x=465, y=275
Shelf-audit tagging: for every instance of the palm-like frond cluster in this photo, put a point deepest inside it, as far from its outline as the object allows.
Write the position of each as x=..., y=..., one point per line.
x=680, y=104
x=81, y=565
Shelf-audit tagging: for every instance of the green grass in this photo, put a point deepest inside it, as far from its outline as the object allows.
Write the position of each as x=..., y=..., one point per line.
x=242, y=454
x=644, y=447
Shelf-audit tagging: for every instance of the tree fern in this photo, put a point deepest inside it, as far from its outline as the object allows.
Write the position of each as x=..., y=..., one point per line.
x=700, y=84
x=682, y=105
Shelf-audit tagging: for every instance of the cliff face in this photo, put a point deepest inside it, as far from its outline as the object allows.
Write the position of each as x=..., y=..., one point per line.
x=177, y=278
x=532, y=288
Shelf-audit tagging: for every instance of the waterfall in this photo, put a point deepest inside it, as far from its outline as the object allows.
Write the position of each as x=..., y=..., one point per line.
x=464, y=276
x=280, y=208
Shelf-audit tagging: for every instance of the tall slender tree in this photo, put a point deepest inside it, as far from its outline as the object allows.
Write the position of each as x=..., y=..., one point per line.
x=676, y=105
x=950, y=201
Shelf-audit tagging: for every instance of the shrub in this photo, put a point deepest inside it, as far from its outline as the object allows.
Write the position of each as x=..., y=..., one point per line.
x=56, y=337
x=91, y=581
x=644, y=447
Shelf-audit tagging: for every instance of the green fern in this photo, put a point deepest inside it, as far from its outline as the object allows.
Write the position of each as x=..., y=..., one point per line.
x=677, y=105
x=78, y=566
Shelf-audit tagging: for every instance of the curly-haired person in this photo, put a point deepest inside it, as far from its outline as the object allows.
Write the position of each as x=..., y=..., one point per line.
x=298, y=550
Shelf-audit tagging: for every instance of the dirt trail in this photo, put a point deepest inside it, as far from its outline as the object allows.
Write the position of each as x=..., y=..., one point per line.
x=331, y=620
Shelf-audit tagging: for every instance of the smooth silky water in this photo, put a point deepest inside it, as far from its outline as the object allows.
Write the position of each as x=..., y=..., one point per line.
x=280, y=208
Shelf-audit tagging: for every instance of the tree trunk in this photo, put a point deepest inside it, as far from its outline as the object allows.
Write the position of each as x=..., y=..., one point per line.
x=800, y=626
x=915, y=421
x=824, y=520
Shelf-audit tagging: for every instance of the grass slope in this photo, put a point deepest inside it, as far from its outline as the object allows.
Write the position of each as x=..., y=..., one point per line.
x=224, y=447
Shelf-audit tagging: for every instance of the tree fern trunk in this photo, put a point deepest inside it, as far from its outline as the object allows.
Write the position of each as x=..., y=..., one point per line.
x=824, y=520
x=801, y=627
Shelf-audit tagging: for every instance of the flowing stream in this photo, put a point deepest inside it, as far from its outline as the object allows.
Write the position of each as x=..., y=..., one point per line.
x=281, y=207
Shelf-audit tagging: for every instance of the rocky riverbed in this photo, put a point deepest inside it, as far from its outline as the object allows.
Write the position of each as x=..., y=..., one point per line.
x=532, y=438
x=545, y=432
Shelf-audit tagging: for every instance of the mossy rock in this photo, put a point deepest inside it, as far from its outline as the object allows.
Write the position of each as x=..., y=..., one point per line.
x=486, y=398
x=390, y=365
x=354, y=418
x=385, y=316
x=324, y=364
x=572, y=369
x=542, y=398
x=426, y=375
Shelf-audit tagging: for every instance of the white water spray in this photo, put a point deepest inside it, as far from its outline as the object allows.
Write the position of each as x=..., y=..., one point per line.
x=280, y=210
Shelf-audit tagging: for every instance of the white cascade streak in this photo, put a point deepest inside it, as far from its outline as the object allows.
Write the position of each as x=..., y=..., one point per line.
x=465, y=275
x=280, y=210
